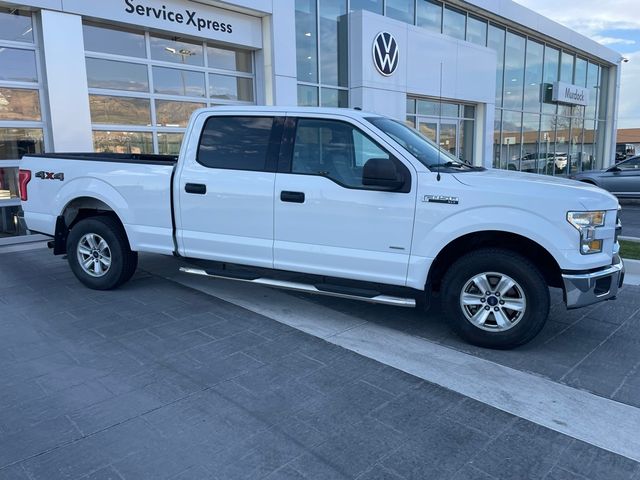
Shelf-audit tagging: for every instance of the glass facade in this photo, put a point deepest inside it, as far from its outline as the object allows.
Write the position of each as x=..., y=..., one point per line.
x=532, y=133
x=21, y=109
x=143, y=87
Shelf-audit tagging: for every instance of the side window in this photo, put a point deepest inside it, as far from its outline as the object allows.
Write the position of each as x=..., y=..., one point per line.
x=235, y=143
x=632, y=164
x=333, y=149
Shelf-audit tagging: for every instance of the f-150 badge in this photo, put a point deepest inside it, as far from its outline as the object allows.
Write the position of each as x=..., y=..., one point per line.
x=441, y=199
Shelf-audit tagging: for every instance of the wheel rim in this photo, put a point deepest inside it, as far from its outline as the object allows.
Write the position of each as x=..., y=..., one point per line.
x=94, y=255
x=493, y=301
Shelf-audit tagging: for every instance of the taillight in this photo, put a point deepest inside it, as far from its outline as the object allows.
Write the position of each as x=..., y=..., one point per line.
x=24, y=176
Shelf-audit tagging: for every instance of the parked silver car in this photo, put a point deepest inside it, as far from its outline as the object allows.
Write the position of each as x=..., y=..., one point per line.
x=621, y=179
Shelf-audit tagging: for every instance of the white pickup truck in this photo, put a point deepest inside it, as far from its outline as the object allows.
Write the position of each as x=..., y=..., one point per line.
x=337, y=202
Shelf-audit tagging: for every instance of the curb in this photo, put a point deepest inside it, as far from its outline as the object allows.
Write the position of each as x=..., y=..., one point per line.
x=632, y=267
x=629, y=239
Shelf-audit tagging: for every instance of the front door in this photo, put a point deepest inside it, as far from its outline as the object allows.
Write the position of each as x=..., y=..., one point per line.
x=225, y=190
x=326, y=221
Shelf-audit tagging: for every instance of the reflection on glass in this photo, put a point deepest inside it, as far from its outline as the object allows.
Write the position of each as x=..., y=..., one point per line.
x=411, y=105
x=176, y=50
x=469, y=111
x=171, y=113
x=8, y=183
x=173, y=81
x=593, y=75
x=561, y=153
x=580, y=78
x=169, y=143
x=238, y=60
x=374, y=6
x=497, y=126
x=429, y=130
x=602, y=89
x=533, y=76
x=122, y=142
x=548, y=142
x=495, y=41
x=117, y=75
x=15, y=25
x=576, y=153
x=566, y=68
x=434, y=107
x=18, y=65
x=9, y=224
x=532, y=161
x=551, y=72
x=306, y=40
x=16, y=142
x=114, y=40
x=230, y=88
x=477, y=31
x=332, y=97
x=453, y=23
x=514, y=71
x=19, y=104
x=333, y=42
x=119, y=110
x=429, y=15
x=447, y=139
x=307, y=96
x=511, y=139
x=465, y=146
x=400, y=10
x=410, y=122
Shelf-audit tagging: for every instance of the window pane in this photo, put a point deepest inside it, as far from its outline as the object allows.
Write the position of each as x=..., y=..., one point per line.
x=332, y=97
x=593, y=75
x=580, y=78
x=307, y=96
x=306, y=40
x=533, y=76
x=230, y=88
x=575, y=145
x=411, y=105
x=15, y=25
x=561, y=153
x=113, y=40
x=117, y=75
x=465, y=149
x=511, y=139
x=454, y=23
x=16, y=142
x=374, y=6
x=601, y=93
x=547, y=143
x=476, y=31
x=514, y=71
x=9, y=223
x=430, y=15
x=19, y=104
x=566, y=68
x=496, y=42
x=531, y=160
x=429, y=130
x=8, y=183
x=18, y=65
x=497, y=130
x=119, y=110
x=400, y=10
x=170, y=113
x=122, y=142
x=237, y=143
x=551, y=72
x=173, y=81
x=469, y=111
x=169, y=143
x=176, y=50
x=333, y=42
x=238, y=60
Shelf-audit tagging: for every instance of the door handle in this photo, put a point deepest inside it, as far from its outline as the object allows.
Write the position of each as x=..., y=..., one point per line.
x=197, y=188
x=293, y=197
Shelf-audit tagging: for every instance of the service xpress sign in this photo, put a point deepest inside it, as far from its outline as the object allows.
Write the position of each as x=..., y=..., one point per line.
x=185, y=16
x=176, y=17
x=570, y=94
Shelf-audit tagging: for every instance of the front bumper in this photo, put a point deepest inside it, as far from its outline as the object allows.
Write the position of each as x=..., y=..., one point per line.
x=582, y=289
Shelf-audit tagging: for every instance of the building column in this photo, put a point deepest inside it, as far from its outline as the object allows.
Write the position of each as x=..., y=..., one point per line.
x=67, y=92
x=279, y=44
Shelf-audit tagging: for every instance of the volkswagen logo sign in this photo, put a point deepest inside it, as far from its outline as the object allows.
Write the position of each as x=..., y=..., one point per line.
x=385, y=53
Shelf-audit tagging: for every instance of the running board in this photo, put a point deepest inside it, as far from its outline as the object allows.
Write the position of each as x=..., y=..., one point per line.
x=331, y=291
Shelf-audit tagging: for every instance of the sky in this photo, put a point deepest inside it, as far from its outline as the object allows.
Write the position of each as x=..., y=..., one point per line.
x=614, y=23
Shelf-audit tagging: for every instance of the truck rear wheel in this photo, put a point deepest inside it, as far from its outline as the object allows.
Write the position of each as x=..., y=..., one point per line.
x=99, y=254
x=495, y=298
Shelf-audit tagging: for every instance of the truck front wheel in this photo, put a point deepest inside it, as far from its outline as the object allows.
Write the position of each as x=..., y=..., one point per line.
x=99, y=254
x=495, y=298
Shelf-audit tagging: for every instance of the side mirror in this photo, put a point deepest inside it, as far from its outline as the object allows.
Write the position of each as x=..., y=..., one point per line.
x=614, y=169
x=382, y=173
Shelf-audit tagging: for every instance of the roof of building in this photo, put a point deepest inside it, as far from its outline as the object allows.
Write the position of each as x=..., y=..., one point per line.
x=628, y=135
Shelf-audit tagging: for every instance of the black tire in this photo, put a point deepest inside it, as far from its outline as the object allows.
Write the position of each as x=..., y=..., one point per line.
x=123, y=262
x=529, y=293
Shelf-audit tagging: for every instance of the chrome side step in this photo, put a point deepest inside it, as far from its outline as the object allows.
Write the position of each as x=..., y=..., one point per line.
x=305, y=287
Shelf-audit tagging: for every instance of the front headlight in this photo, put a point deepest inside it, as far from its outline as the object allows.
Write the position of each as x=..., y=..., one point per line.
x=586, y=223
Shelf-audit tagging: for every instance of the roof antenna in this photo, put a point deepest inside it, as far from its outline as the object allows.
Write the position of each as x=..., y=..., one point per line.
x=439, y=122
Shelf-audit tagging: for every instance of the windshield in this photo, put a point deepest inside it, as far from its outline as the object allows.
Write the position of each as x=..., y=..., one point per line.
x=418, y=145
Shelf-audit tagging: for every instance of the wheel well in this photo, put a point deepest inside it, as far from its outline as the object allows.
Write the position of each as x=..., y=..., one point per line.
x=494, y=239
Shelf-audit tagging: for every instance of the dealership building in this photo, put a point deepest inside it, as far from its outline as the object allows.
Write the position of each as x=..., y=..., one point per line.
x=489, y=80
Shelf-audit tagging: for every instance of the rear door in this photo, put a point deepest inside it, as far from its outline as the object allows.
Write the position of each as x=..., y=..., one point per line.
x=326, y=221
x=225, y=189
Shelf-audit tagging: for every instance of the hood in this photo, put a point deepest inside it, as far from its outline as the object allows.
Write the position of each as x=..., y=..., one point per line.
x=569, y=193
